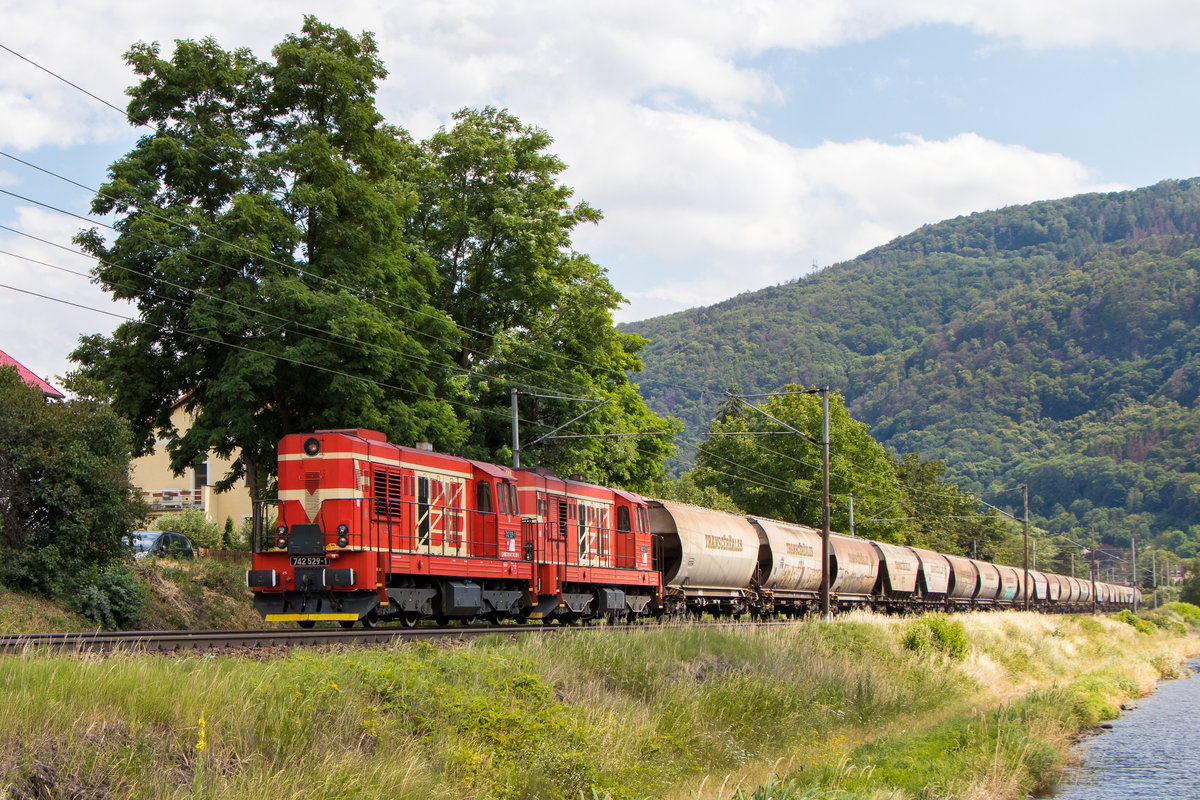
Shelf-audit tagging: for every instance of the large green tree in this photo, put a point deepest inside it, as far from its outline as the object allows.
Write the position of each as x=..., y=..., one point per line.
x=297, y=263
x=260, y=232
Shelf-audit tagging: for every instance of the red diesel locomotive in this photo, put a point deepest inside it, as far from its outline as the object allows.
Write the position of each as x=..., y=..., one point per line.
x=370, y=531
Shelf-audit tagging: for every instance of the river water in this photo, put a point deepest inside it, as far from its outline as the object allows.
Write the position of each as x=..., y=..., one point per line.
x=1152, y=751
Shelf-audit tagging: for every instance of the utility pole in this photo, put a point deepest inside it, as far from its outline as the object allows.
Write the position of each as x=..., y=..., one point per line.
x=512, y=393
x=1026, y=585
x=1154, y=575
x=1093, y=573
x=1133, y=563
x=852, y=515
x=826, y=614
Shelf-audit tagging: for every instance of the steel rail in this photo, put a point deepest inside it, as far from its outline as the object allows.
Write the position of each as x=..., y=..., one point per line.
x=173, y=641
x=170, y=641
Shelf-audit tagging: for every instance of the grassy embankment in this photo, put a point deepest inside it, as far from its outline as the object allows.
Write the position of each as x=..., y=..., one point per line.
x=199, y=594
x=982, y=705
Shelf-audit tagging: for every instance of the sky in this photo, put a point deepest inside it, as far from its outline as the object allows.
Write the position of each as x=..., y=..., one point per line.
x=731, y=145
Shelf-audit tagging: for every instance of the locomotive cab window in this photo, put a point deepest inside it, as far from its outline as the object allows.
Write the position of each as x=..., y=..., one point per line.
x=483, y=497
x=623, y=519
x=502, y=499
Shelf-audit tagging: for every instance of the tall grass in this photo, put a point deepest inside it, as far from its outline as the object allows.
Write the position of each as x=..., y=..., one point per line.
x=857, y=708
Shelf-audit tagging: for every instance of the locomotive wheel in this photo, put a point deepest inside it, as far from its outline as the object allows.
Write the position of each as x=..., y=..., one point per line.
x=346, y=623
x=370, y=620
x=409, y=619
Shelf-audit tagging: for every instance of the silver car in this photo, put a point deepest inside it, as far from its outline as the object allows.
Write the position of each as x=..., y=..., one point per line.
x=166, y=544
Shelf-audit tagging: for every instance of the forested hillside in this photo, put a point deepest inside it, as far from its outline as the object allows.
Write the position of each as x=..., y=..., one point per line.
x=1054, y=343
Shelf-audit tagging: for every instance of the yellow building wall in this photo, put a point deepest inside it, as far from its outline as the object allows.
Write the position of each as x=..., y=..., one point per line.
x=166, y=492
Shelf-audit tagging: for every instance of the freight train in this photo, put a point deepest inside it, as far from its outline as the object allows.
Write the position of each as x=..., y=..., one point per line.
x=367, y=531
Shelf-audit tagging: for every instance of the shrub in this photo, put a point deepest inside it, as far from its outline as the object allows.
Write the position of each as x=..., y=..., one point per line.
x=228, y=538
x=192, y=523
x=1129, y=618
x=1165, y=620
x=1190, y=613
x=937, y=633
x=112, y=597
x=66, y=503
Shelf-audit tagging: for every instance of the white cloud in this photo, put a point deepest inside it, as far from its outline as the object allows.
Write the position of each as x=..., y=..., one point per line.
x=653, y=104
x=762, y=212
x=40, y=332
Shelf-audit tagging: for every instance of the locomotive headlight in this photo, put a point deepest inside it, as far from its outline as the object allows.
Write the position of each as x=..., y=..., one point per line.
x=280, y=542
x=342, y=541
x=312, y=446
x=280, y=531
x=343, y=532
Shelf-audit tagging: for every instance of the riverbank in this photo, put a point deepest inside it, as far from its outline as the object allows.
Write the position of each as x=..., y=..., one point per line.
x=978, y=705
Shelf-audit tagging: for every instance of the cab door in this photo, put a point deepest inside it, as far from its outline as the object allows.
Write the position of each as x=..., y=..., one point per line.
x=482, y=536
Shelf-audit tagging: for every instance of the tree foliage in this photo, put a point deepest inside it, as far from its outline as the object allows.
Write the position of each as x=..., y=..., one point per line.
x=298, y=263
x=1189, y=592
x=776, y=473
x=779, y=475
x=66, y=502
x=535, y=315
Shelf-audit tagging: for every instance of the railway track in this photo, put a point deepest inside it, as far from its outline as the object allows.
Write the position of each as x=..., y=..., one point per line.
x=172, y=641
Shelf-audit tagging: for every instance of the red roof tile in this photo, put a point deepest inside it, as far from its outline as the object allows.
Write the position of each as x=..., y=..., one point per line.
x=29, y=377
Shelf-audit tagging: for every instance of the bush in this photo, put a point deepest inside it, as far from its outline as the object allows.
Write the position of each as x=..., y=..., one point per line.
x=1165, y=620
x=1190, y=613
x=192, y=524
x=1129, y=618
x=228, y=538
x=64, y=479
x=937, y=633
x=112, y=597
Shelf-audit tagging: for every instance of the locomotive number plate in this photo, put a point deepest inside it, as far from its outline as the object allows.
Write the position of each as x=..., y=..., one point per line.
x=310, y=561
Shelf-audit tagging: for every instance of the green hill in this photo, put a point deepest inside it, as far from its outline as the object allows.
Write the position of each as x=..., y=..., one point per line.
x=1054, y=343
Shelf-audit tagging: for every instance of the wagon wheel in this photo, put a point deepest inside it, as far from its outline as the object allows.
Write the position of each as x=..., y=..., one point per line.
x=306, y=623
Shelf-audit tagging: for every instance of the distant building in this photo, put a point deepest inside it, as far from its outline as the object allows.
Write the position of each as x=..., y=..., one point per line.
x=28, y=377
x=165, y=492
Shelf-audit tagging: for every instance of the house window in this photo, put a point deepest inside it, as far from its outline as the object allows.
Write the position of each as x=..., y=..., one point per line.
x=201, y=470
